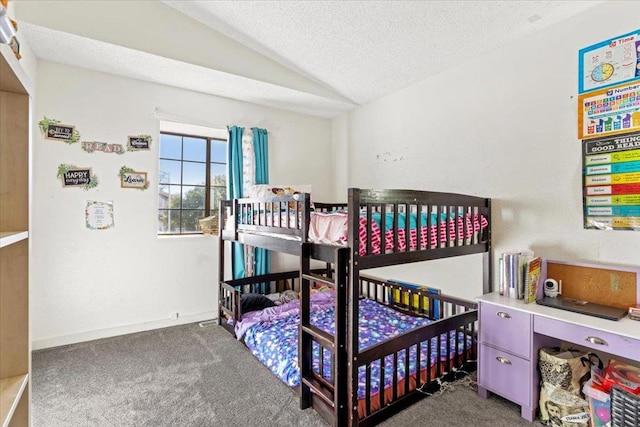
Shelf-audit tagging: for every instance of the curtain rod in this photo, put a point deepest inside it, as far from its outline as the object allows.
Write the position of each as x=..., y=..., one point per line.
x=183, y=120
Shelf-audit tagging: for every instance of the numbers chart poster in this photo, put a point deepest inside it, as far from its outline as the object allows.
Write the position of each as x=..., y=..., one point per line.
x=611, y=62
x=609, y=111
x=612, y=182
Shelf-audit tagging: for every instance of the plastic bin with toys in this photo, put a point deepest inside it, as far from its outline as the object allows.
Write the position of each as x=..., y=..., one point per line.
x=598, y=391
x=599, y=404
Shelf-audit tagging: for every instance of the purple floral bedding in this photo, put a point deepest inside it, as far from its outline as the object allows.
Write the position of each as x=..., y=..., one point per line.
x=273, y=338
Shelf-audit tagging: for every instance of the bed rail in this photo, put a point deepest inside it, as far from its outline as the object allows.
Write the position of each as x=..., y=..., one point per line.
x=412, y=299
x=375, y=407
x=386, y=227
x=278, y=223
x=230, y=291
x=453, y=340
x=440, y=225
x=278, y=215
x=449, y=343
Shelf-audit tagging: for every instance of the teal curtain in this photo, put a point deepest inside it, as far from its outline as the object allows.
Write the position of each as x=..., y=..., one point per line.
x=234, y=190
x=261, y=151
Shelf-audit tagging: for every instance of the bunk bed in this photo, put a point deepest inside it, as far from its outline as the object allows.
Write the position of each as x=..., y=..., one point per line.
x=339, y=370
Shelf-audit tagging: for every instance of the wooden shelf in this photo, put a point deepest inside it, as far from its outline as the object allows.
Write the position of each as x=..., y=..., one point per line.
x=11, y=390
x=12, y=76
x=9, y=237
x=15, y=343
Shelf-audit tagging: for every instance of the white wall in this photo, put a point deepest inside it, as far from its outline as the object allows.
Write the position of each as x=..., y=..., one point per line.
x=502, y=126
x=87, y=284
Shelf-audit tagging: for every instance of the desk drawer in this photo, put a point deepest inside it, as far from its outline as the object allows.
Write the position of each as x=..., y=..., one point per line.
x=506, y=375
x=506, y=328
x=588, y=337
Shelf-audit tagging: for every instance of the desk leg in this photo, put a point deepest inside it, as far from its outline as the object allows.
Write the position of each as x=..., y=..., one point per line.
x=483, y=392
x=528, y=413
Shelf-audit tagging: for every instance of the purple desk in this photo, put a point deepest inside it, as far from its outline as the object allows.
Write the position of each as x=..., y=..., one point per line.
x=512, y=333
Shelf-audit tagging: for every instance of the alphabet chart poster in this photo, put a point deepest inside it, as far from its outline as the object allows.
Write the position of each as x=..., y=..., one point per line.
x=610, y=111
x=612, y=182
x=609, y=63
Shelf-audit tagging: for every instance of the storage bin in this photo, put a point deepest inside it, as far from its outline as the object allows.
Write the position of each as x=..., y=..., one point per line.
x=622, y=375
x=625, y=408
x=599, y=404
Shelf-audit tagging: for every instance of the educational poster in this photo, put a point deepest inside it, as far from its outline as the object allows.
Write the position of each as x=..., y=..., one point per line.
x=99, y=215
x=609, y=111
x=609, y=63
x=612, y=182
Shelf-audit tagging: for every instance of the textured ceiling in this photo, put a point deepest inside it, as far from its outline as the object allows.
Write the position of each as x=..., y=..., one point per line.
x=367, y=49
x=354, y=51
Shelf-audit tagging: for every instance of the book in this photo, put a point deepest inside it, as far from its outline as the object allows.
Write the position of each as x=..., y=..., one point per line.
x=523, y=259
x=509, y=274
x=403, y=297
x=532, y=271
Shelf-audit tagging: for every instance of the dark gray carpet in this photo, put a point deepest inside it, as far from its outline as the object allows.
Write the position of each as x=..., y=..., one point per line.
x=192, y=376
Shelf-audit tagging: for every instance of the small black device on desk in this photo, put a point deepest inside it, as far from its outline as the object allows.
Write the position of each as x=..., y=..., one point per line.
x=584, y=307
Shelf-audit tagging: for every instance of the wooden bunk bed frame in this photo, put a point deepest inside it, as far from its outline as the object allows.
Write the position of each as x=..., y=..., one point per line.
x=281, y=223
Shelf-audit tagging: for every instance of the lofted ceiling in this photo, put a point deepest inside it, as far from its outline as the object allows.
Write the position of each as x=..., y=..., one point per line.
x=322, y=58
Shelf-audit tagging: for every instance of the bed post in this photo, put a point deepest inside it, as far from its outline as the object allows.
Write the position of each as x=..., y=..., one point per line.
x=306, y=215
x=352, y=306
x=487, y=259
x=305, y=342
x=341, y=398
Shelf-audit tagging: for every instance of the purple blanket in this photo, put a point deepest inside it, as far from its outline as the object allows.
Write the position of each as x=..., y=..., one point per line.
x=272, y=336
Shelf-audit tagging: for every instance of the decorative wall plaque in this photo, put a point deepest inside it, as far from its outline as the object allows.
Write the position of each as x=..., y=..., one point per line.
x=130, y=178
x=73, y=176
x=105, y=147
x=139, y=142
x=54, y=130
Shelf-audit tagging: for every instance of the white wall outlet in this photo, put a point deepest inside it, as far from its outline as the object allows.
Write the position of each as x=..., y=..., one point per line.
x=173, y=315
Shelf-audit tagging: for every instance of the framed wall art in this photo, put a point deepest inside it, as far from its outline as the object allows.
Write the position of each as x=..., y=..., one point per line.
x=130, y=178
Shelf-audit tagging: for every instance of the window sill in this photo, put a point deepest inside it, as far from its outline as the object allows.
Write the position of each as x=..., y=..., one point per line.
x=181, y=236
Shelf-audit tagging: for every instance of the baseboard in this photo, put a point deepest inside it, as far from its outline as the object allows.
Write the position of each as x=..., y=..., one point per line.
x=120, y=330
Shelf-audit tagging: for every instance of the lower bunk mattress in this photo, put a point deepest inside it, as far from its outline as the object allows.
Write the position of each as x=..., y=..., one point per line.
x=272, y=336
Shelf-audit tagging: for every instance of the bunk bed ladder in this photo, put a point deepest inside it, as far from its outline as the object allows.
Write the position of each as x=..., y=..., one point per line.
x=333, y=392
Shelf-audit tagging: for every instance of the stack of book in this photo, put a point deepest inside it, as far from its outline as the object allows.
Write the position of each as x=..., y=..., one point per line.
x=520, y=275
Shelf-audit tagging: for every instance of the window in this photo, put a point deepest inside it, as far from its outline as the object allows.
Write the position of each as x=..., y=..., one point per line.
x=192, y=181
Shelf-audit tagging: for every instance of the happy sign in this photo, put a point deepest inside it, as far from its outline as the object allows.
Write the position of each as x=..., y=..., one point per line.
x=76, y=177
